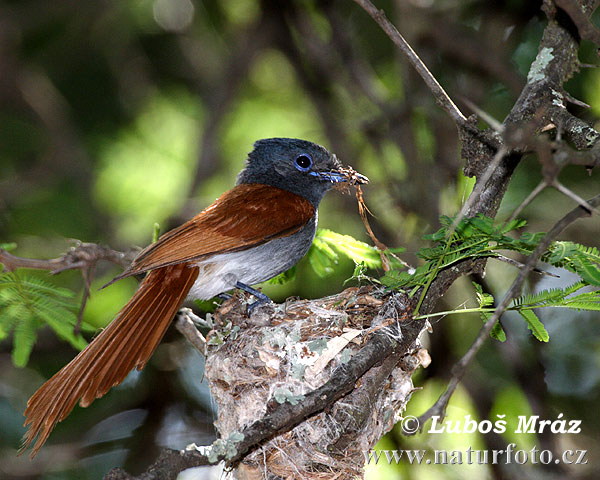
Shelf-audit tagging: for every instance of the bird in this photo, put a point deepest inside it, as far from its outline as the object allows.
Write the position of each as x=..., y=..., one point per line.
x=258, y=229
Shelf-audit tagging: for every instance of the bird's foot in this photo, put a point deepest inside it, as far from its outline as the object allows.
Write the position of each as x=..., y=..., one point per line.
x=261, y=297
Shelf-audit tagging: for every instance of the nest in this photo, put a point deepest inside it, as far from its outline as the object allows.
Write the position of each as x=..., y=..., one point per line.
x=284, y=351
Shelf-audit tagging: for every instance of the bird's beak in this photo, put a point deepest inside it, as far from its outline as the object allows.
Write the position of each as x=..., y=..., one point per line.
x=347, y=174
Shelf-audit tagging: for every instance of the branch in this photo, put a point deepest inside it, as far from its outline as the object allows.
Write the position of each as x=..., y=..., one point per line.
x=555, y=63
x=78, y=257
x=439, y=93
x=585, y=27
x=529, y=114
x=382, y=348
x=542, y=101
x=83, y=256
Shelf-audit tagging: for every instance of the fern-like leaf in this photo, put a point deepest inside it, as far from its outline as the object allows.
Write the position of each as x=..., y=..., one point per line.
x=27, y=303
x=535, y=325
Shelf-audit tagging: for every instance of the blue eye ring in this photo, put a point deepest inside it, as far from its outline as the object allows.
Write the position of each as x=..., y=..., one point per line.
x=303, y=162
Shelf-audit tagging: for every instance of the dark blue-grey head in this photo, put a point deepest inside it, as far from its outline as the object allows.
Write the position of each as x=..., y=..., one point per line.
x=298, y=166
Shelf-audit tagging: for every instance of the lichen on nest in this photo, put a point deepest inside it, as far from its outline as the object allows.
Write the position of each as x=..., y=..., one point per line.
x=282, y=352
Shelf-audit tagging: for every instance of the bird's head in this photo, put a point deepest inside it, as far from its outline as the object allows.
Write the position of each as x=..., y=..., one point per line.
x=299, y=166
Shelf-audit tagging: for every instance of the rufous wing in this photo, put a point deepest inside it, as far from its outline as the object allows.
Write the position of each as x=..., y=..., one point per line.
x=243, y=217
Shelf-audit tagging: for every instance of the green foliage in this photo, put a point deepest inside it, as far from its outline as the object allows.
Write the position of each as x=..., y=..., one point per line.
x=481, y=237
x=579, y=259
x=476, y=237
x=487, y=300
x=557, y=297
x=328, y=246
x=284, y=277
x=534, y=324
x=27, y=304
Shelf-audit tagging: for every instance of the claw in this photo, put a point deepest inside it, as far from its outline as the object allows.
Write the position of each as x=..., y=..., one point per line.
x=261, y=297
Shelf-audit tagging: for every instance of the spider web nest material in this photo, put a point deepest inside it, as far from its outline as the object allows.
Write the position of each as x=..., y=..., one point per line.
x=285, y=351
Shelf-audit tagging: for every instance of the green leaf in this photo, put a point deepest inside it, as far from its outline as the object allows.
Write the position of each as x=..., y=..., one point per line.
x=62, y=322
x=535, y=325
x=320, y=262
x=583, y=301
x=395, y=279
x=483, y=299
x=328, y=246
x=531, y=239
x=498, y=332
x=515, y=224
x=350, y=247
x=284, y=277
x=582, y=260
x=206, y=305
x=560, y=251
x=27, y=303
x=8, y=246
x=437, y=236
x=587, y=270
x=23, y=341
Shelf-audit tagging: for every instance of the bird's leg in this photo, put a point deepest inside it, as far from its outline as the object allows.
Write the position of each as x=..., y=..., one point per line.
x=261, y=297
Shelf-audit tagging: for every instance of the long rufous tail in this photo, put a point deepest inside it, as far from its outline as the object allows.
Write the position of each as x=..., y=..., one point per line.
x=127, y=342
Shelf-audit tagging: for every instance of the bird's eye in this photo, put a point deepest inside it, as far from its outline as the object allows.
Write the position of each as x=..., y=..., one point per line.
x=303, y=162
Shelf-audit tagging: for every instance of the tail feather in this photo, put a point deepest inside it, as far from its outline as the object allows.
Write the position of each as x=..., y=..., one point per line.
x=112, y=370
x=128, y=342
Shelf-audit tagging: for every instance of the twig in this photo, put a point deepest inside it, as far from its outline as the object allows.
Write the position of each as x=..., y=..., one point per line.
x=512, y=261
x=438, y=92
x=167, y=466
x=77, y=257
x=83, y=256
x=458, y=371
x=486, y=117
x=534, y=193
x=573, y=196
x=479, y=188
x=546, y=182
x=87, y=273
x=185, y=325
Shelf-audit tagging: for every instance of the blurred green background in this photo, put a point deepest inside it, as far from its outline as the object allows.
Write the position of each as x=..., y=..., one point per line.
x=116, y=115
